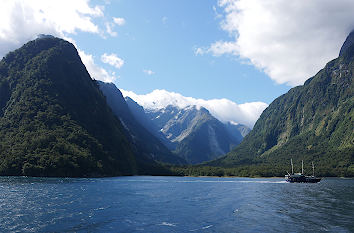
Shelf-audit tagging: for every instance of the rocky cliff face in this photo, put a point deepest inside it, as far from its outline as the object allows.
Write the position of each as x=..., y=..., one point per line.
x=140, y=115
x=193, y=133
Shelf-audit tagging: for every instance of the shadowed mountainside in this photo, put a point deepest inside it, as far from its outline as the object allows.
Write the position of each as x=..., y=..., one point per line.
x=145, y=143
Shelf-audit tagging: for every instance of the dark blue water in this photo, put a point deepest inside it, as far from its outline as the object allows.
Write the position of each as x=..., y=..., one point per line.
x=175, y=204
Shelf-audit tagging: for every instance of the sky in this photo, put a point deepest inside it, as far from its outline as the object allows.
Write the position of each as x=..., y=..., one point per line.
x=232, y=56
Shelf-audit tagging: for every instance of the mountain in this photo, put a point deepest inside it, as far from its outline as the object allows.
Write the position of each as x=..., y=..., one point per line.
x=222, y=109
x=194, y=133
x=347, y=43
x=238, y=131
x=139, y=113
x=145, y=143
x=54, y=120
x=313, y=122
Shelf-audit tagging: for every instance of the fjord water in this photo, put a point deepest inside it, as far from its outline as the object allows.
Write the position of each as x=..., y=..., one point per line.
x=174, y=204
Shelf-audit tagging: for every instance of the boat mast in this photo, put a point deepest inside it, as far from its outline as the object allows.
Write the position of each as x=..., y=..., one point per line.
x=302, y=166
x=313, y=169
x=292, y=166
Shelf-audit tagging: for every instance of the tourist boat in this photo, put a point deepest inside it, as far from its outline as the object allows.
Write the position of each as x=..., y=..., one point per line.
x=300, y=177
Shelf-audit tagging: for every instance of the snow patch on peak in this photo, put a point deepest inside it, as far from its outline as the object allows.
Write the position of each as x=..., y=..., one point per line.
x=223, y=109
x=159, y=99
x=233, y=123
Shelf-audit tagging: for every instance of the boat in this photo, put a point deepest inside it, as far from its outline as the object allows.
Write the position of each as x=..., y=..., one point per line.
x=300, y=177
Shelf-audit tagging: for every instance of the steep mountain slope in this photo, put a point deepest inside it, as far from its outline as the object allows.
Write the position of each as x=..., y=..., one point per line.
x=145, y=143
x=54, y=120
x=238, y=131
x=313, y=122
x=139, y=114
x=347, y=43
x=172, y=118
x=196, y=135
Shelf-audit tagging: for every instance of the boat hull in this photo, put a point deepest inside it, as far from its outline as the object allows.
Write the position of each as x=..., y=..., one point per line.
x=302, y=179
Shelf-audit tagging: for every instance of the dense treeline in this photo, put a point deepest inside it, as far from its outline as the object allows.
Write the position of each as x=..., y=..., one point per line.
x=262, y=170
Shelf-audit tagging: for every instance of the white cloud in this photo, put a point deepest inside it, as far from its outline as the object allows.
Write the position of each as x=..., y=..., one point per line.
x=110, y=26
x=24, y=20
x=219, y=48
x=223, y=109
x=94, y=70
x=119, y=21
x=289, y=40
x=109, y=29
x=113, y=60
x=149, y=72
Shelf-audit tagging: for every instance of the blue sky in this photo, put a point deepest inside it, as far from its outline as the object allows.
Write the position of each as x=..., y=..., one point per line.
x=162, y=36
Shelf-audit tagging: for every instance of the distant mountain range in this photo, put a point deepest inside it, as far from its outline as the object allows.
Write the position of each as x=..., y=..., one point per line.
x=313, y=122
x=191, y=132
x=222, y=109
x=140, y=115
x=145, y=142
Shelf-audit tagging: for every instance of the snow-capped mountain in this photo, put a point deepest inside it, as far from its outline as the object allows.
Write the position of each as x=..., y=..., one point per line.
x=145, y=143
x=222, y=109
x=191, y=132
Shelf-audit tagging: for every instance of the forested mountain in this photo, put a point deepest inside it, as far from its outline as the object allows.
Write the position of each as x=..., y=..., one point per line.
x=54, y=120
x=145, y=143
x=313, y=122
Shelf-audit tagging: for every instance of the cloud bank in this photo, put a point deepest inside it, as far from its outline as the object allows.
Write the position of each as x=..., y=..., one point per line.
x=289, y=40
x=223, y=109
